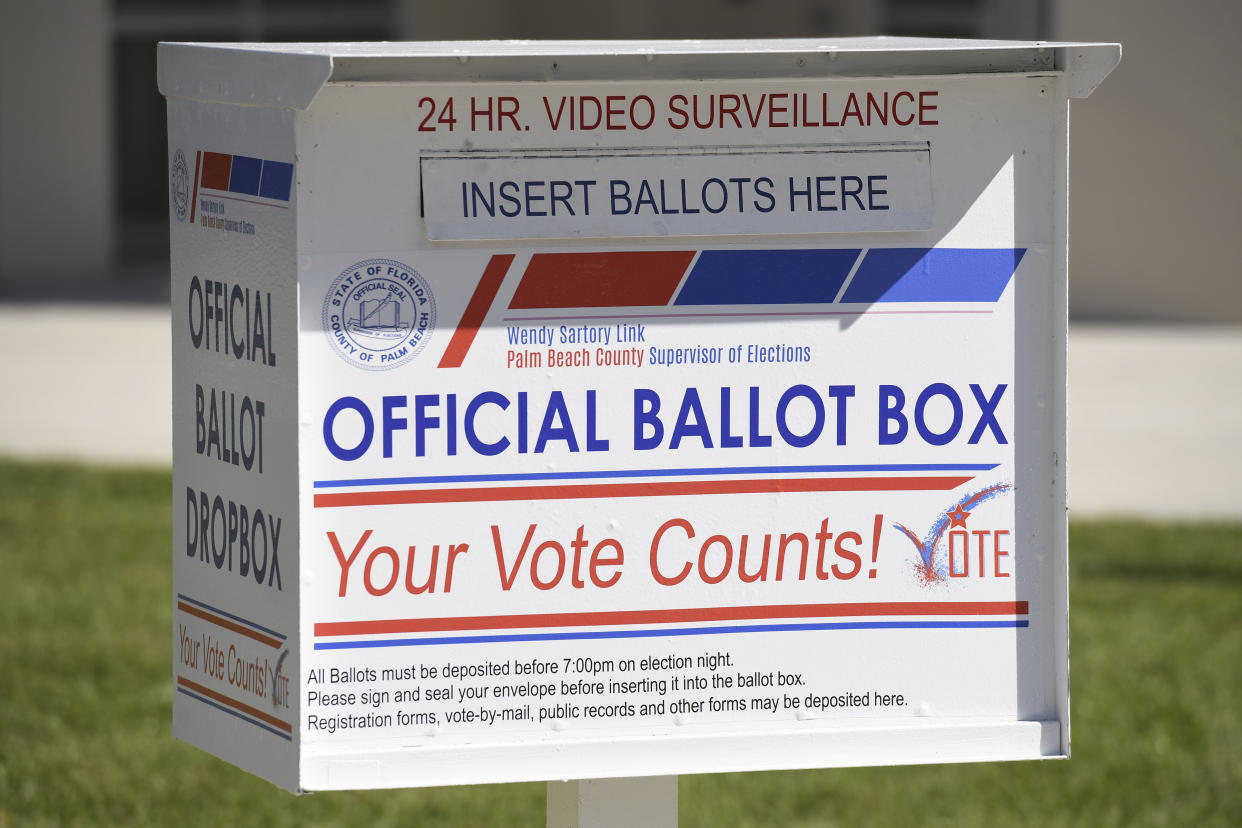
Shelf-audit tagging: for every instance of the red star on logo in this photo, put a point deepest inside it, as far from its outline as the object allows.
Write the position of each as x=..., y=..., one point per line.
x=957, y=517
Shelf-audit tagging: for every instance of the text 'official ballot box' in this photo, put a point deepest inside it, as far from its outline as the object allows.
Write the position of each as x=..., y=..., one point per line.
x=578, y=410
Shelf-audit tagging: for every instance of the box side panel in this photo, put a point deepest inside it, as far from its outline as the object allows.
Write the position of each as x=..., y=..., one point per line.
x=1059, y=411
x=571, y=490
x=235, y=498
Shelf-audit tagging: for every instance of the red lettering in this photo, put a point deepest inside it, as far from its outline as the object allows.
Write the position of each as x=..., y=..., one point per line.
x=507, y=579
x=728, y=559
x=896, y=116
x=662, y=579
x=391, y=554
x=848, y=555
x=998, y=553
x=346, y=563
x=560, y=565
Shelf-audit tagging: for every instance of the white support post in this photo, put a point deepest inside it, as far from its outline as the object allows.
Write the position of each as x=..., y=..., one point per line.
x=650, y=801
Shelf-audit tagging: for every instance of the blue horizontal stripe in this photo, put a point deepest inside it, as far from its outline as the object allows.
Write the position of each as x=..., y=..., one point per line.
x=939, y=274
x=236, y=713
x=625, y=473
x=766, y=277
x=676, y=631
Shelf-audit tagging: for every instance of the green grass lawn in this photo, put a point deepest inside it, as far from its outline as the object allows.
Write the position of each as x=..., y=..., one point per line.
x=86, y=694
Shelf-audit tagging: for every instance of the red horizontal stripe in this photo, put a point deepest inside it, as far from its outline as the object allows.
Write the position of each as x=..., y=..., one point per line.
x=650, y=489
x=669, y=616
x=234, y=703
x=476, y=311
x=228, y=625
x=635, y=278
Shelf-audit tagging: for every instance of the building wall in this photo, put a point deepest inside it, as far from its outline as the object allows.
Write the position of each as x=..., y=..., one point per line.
x=570, y=19
x=56, y=179
x=1156, y=155
x=1156, y=162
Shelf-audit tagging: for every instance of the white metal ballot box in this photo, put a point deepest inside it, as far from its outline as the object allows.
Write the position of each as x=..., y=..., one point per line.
x=584, y=410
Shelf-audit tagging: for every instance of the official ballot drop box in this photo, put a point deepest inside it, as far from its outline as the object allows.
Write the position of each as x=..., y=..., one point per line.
x=579, y=410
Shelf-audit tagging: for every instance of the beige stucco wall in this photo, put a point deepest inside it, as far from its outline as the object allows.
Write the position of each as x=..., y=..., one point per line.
x=1156, y=162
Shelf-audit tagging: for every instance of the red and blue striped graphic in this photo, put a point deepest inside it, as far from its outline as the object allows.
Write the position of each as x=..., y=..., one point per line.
x=234, y=176
x=652, y=623
x=765, y=277
x=408, y=490
x=190, y=688
x=659, y=283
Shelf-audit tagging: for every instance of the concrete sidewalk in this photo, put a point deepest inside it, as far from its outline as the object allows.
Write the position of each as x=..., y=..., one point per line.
x=1155, y=417
x=1155, y=421
x=87, y=382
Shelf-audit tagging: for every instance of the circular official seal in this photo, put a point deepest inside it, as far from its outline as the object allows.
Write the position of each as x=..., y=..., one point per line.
x=378, y=314
x=179, y=178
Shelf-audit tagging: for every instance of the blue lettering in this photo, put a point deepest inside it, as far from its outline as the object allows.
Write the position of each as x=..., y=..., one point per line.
x=482, y=447
x=549, y=431
x=392, y=423
x=647, y=413
x=423, y=421
x=841, y=393
x=946, y=391
x=368, y=428
x=593, y=443
x=691, y=421
x=727, y=438
x=756, y=439
x=987, y=414
x=796, y=440
x=892, y=401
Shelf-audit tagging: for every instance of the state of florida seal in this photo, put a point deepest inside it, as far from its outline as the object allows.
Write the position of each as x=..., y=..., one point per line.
x=179, y=183
x=379, y=314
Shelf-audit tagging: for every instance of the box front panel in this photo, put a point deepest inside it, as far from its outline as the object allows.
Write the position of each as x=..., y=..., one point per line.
x=673, y=411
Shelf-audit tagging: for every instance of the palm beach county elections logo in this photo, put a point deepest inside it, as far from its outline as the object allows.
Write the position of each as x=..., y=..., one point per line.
x=179, y=182
x=378, y=314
